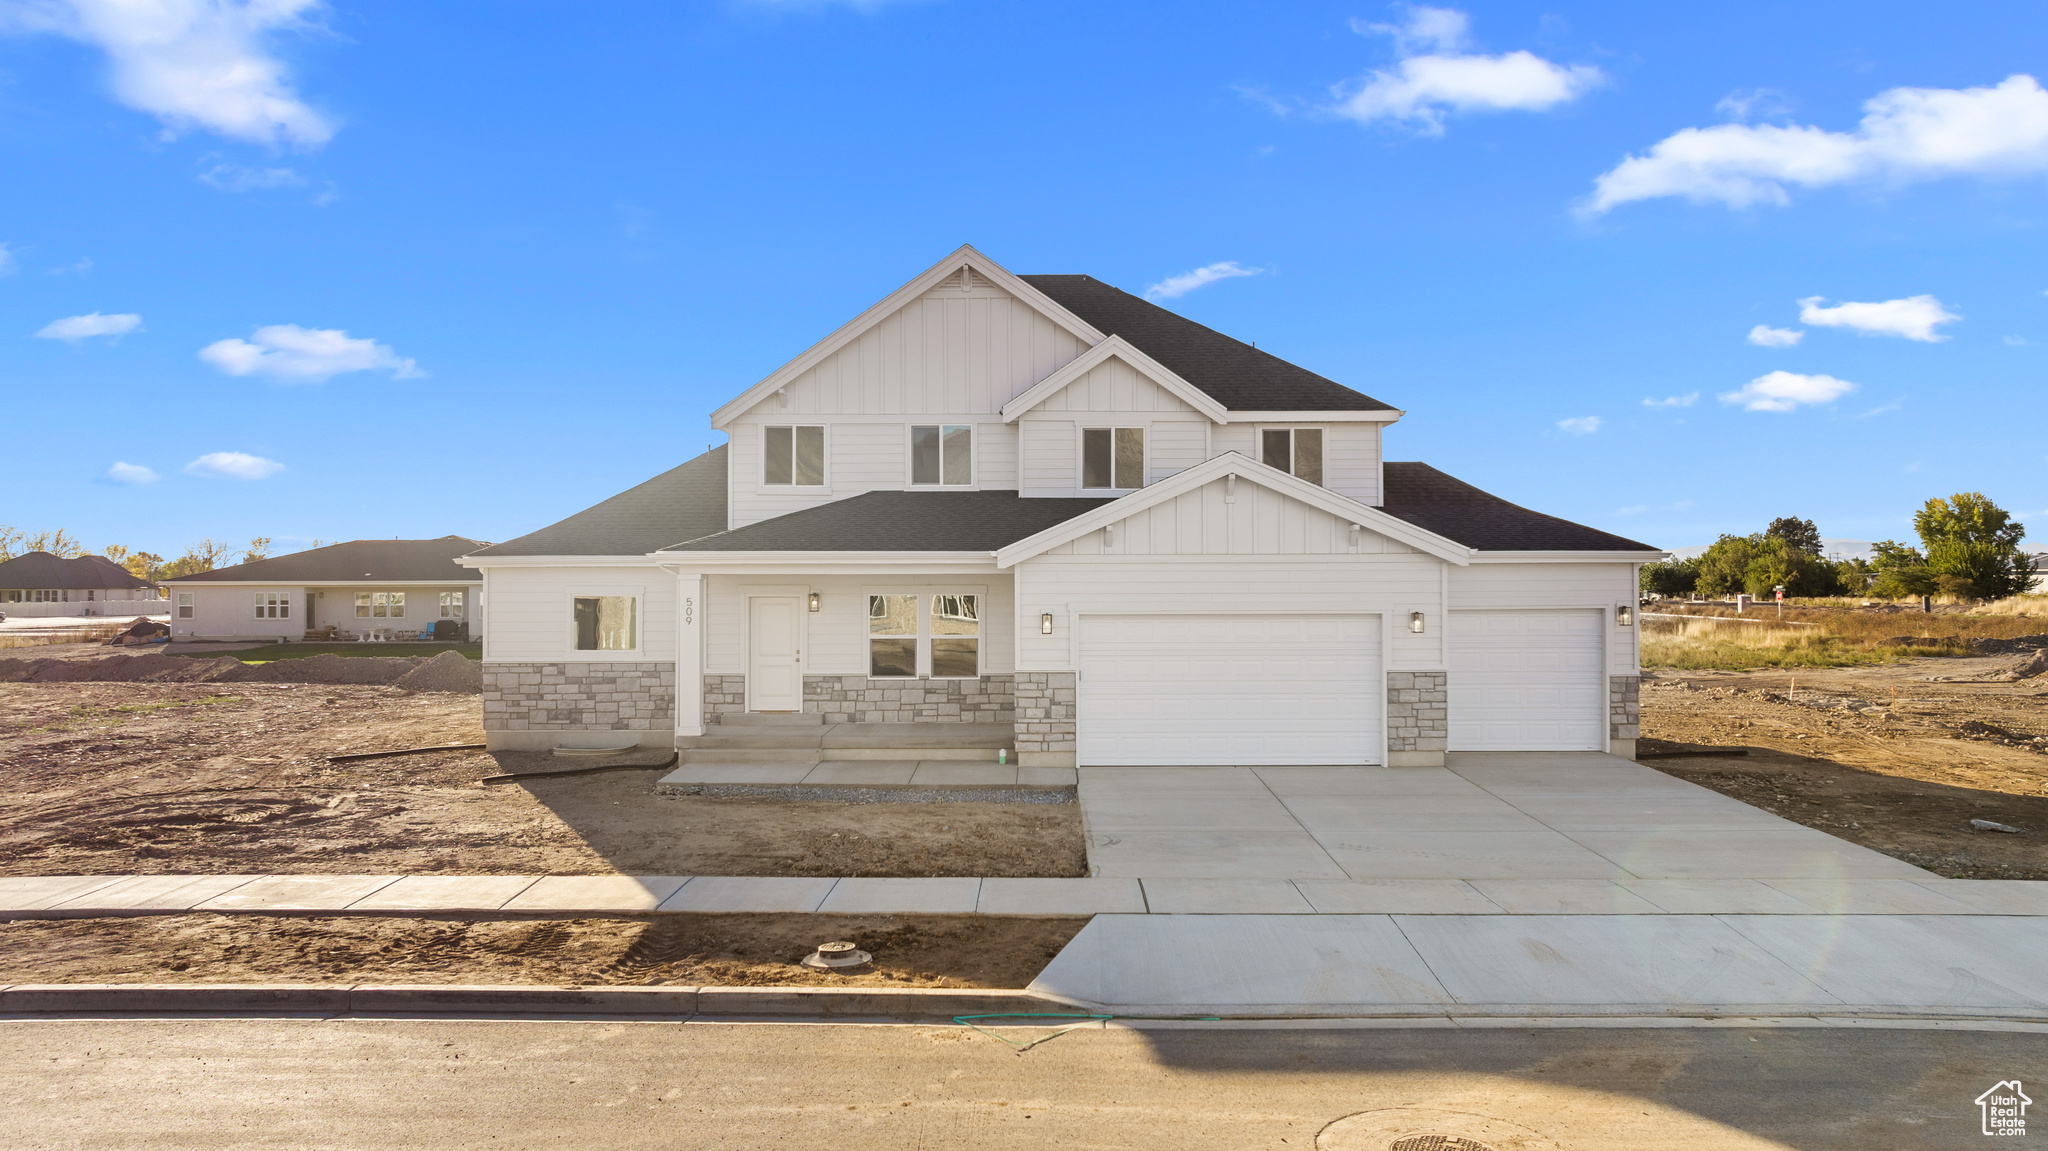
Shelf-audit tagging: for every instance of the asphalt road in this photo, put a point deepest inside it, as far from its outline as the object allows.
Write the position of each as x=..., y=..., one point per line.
x=461, y=1083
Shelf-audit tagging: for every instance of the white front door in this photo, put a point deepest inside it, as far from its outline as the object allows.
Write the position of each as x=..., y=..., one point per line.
x=775, y=671
x=1240, y=689
x=1528, y=681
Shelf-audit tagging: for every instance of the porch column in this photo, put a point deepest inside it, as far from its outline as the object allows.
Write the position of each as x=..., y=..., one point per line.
x=689, y=705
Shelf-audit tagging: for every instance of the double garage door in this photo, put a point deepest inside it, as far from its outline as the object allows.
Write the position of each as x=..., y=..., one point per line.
x=1241, y=689
x=1528, y=681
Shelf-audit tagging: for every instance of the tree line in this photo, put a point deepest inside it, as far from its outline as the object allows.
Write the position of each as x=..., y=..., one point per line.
x=203, y=556
x=1969, y=548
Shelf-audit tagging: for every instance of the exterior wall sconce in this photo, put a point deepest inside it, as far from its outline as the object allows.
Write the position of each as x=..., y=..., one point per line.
x=1109, y=535
x=1624, y=615
x=1415, y=622
x=1045, y=624
x=814, y=601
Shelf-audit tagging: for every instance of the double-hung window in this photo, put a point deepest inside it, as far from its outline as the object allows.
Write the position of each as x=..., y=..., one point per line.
x=380, y=605
x=451, y=605
x=1296, y=451
x=942, y=454
x=793, y=456
x=273, y=605
x=185, y=605
x=946, y=627
x=607, y=622
x=1113, y=458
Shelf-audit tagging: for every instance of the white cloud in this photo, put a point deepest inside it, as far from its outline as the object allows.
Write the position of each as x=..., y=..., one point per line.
x=203, y=63
x=1174, y=287
x=1906, y=134
x=299, y=355
x=2015, y=341
x=126, y=473
x=82, y=267
x=1685, y=401
x=76, y=328
x=1914, y=317
x=1581, y=425
x=236, y=178
x=1632, y=510
x=233, y=466
x=1765, y=336
x=1750, y=103
x=1784, y=391
x=7, y=264
x=1436, y=76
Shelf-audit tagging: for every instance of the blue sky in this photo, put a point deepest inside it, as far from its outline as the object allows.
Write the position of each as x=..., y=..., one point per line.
x=376, y=269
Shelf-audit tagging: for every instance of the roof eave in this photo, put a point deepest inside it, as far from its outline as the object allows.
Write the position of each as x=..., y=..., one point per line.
x=1568, y=557
x=1366, y=416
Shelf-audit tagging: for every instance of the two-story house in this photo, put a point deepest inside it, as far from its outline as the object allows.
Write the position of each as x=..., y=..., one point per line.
x=1042, y=501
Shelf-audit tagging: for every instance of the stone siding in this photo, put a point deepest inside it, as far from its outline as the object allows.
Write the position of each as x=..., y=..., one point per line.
x=1418, y=711
x=858, y=699
x=724, y=695
x=1624, y=707
x=579, y=696
x=1045, y=712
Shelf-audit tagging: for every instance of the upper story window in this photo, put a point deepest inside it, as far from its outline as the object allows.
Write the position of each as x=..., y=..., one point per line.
x=942, y=454
x=1296, y=451
x=793, y=456
x=1112, y=457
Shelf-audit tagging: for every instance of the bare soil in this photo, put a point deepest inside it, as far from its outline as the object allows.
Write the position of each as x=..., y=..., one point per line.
x=1838, y=754
x=681, y=950
x=117, y=778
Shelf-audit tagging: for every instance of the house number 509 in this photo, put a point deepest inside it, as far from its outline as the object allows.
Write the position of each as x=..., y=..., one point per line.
x=689, y=611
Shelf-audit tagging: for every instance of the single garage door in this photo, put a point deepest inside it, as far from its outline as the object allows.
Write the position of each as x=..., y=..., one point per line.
x=1528, y=681
x=1248, y=689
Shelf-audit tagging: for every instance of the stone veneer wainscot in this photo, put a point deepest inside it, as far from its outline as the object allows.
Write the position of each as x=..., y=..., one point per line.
x=1418, y=718
x=1045, y=718
x=579, y=696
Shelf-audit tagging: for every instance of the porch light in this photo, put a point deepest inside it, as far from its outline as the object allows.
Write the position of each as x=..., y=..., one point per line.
x=1415, y=622
x=814, y=601
x=1045, y=624
x=1624, y=615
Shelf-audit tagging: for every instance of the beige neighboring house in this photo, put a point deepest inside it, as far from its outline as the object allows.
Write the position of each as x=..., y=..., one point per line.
x=40, y=584
x=376, y=589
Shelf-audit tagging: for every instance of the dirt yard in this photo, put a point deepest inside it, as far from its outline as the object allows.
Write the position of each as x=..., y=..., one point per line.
x=226, y=778
x=685, y=950
x=1838, y=754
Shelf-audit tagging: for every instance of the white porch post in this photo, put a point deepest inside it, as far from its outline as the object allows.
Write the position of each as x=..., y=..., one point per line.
x=689, y=654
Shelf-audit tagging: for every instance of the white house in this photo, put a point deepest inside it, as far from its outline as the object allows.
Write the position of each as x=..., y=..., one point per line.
x=383, y=589
x=1041, y=501
x=41, y=584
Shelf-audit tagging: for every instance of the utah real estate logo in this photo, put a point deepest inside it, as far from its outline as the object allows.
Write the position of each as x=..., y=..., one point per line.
x=2005, y=1109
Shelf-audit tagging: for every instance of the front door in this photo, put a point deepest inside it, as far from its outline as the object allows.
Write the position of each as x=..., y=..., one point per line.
x=775, y=673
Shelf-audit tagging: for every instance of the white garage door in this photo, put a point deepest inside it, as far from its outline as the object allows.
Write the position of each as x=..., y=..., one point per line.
x=1190, y=689
x=1528, y=681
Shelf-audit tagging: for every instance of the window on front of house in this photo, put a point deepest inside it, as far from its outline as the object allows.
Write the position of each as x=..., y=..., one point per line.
x=607, y=623
x=273, y=605
x=956, y=636
x=451, y=605
x=892, y=636
x=1113, y=458
x=380, y=605
x=1296, y=451
x=942, y=454
x=793, y=456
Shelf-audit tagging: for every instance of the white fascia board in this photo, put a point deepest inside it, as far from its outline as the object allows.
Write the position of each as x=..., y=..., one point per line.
x=639, y=561
x=394, y=581
x=1118, y=347
x=1252, y=471
x=1569, y=557
x=965, y=254
x=707, y=561
x=1377, y=416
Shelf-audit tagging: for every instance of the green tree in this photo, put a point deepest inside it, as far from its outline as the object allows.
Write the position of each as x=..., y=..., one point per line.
x=1901, y=571
x=1722, y=568
x=1973, y=547
x=1798, y=533
x=1672, y=577
x=1777, y=563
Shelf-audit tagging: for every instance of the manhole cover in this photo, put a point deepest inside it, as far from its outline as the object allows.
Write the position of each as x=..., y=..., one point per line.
x=1438, y=1143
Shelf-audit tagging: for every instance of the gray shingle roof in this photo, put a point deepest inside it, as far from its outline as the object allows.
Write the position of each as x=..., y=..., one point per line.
x=395, y=561
x=41, y=570
x=1238, y=376
x=1456, y=510
x=679, y=504
x=913, y=521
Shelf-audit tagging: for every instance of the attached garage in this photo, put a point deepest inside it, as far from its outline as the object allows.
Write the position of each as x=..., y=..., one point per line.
x=1229, y=689
x=1528, y=680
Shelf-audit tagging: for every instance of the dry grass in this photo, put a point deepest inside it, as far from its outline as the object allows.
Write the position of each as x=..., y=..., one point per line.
x=1714, y=637
x=2021, y=605
x=84, y=633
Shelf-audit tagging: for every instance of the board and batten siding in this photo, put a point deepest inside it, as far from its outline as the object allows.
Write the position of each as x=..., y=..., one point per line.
x=1264, y=552
x=836, y=634
x=532, y=619
x=1351, y=454
x=1556, y=585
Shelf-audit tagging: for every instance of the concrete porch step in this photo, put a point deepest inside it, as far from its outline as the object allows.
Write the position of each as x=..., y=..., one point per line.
x=929, y=735
x=770, y=719
x=810, y=743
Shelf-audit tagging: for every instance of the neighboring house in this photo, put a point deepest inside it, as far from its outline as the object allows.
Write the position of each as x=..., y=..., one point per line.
x=393, y=588
x=40, y=584
x=1041, y=500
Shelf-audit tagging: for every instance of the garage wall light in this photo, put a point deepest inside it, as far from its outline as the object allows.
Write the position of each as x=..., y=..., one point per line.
x=814, y=601
x=1624, y=615
x=1045, y=624
x=1415, y=622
